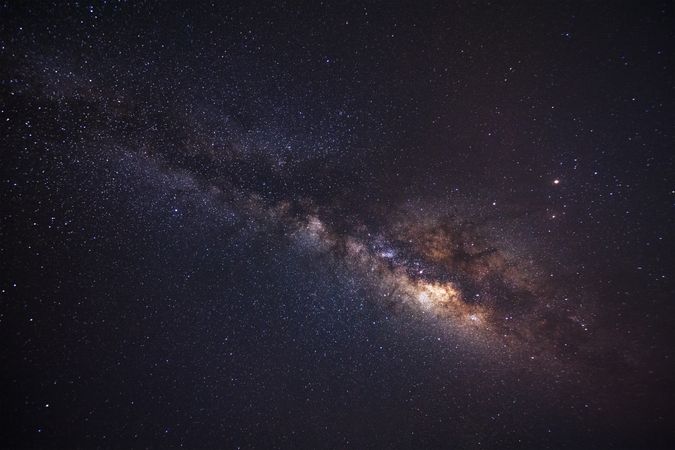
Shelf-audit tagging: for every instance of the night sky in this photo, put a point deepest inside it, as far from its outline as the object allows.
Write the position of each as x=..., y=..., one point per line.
x=337, y=225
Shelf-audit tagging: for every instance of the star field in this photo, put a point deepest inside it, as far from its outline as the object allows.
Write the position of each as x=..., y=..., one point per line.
x=327, y=225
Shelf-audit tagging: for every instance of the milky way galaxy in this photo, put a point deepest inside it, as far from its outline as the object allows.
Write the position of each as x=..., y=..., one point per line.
x=336, y=225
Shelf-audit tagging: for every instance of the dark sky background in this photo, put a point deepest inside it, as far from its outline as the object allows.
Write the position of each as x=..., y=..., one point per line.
x=337, y=225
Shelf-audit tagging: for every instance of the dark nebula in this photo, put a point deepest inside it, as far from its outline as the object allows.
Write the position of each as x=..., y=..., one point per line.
x=337, y=225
